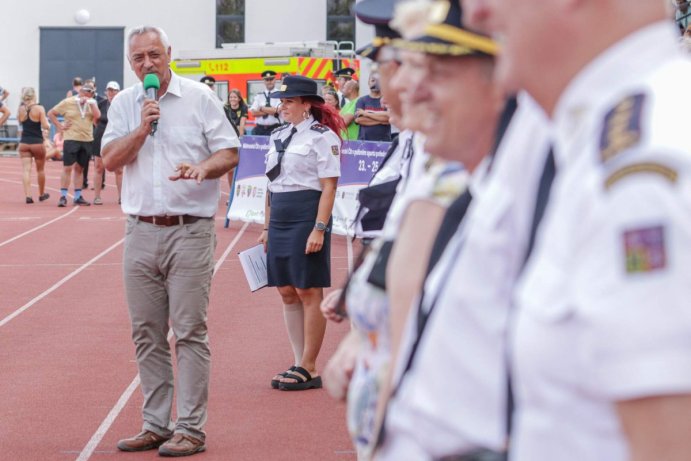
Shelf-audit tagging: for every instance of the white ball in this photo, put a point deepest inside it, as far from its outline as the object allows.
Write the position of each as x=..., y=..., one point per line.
x=82, y=16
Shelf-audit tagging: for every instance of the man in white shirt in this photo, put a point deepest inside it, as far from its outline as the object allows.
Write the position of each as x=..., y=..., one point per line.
x=174, y=149
x=265, y=108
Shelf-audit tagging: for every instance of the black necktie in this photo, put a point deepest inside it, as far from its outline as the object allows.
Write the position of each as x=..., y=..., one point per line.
x=267, y=103
x=452, y=219
x=343, y=101
x=543, y=191
x=281, y=147
x=449, y=226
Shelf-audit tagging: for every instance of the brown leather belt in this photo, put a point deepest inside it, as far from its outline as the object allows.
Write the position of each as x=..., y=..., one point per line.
x=167, y=221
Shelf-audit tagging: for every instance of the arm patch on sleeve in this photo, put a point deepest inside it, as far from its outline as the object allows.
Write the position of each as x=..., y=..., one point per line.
x=622, y=127
x=645, y=249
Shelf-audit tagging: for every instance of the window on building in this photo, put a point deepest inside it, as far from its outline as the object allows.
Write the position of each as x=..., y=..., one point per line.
x=340, y=22
x=230, y=21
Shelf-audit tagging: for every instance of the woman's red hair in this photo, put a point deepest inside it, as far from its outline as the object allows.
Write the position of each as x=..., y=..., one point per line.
x=327, y=116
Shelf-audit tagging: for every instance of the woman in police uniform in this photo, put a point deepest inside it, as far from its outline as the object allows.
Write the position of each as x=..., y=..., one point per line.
x=303, y=166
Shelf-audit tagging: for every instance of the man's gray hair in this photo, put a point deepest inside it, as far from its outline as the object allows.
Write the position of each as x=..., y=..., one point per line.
x=141, y=30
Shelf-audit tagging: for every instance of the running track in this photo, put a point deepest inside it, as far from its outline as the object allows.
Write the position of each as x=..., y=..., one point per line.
x=68, y=381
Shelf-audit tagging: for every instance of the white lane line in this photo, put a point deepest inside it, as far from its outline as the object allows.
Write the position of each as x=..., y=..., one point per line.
x=39, y=227
x=105, y=425
x=96, y=438
x=36, y=185
x=71, y=275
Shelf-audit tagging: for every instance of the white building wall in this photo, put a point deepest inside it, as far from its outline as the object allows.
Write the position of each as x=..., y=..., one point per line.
x=285, y=20
x=190, y=25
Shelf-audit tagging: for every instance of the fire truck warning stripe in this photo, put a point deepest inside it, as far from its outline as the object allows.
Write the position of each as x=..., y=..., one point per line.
x=318, y=73
x=307, y=69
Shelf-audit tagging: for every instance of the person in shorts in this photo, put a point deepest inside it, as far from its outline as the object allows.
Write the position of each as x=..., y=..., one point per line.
x=80, y=113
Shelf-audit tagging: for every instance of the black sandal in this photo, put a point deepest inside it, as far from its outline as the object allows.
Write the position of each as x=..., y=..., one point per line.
x=304, y=381
x=275, y=382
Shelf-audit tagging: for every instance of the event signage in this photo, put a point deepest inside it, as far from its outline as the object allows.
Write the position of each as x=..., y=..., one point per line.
x=359, y=161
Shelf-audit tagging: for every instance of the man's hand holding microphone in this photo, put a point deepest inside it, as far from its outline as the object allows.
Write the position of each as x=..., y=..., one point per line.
x=150, y=110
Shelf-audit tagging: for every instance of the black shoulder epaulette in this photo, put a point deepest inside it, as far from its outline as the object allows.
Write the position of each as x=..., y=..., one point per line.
x=621, y=127
x=282, y=127
x=318, y=127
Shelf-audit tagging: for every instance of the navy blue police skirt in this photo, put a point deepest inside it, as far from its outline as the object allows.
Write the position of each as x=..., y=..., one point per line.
x=292, y=219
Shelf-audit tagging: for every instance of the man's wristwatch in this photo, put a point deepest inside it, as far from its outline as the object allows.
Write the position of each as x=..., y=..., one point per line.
x=320, y=226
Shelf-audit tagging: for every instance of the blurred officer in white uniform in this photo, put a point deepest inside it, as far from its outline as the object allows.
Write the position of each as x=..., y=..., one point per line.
x=602, y=346
x=265, y=108
x=450, y=380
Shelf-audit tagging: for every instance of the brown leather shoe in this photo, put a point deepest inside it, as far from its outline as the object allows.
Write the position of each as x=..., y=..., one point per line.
x=181, y=445
x=145, y=440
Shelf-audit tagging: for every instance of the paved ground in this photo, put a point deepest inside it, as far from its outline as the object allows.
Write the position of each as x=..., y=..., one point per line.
x=69, y=385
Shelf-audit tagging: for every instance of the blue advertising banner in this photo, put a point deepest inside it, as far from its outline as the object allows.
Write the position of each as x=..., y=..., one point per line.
x=359, y=161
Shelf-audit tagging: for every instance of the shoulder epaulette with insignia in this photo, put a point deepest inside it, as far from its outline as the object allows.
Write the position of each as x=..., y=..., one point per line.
x=319, y=128
x=282, y=127
x=621, y=129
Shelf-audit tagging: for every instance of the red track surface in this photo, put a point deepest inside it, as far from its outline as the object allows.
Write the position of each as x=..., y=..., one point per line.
x=66, y=357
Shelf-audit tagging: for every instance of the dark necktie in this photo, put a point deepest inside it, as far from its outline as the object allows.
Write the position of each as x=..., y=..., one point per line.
x=267, y=103
x=543, y=191
x=448, y=228
x=452, y=219
x=343, y=101
x=281, y=147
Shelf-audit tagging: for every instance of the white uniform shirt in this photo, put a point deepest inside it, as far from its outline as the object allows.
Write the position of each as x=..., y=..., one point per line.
x=260, y=101
x=603, y=305
x=192, y=127
x=452, y=400
x=400, y=164
x=314, y=152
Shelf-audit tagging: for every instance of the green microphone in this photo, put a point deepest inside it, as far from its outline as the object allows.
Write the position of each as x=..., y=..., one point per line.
x=151, y=86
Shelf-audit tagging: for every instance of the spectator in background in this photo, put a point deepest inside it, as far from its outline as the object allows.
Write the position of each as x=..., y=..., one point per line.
x=370, y=115
x=76, y=86
x=343, y=76
x=331, y=98
x=326, y=88
x=682, y=13
x=99, y=101
x=3, y=107
x=32, y=118
x=80, y=114
x=685, y=40
x=264, y=108
x=54, y=147
x=236, y=110
x=209, y=81
x=351, y=90
x=112, y=89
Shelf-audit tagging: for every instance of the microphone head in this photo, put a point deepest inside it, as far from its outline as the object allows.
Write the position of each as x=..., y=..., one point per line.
x=151, y=81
